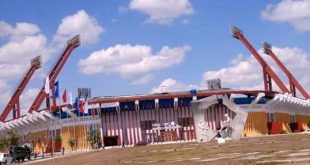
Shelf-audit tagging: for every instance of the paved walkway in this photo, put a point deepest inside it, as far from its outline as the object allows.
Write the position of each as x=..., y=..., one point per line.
x=57, y=155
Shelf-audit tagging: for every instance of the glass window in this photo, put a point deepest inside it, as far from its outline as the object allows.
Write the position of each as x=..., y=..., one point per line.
x=186, y=122
x=145, y=125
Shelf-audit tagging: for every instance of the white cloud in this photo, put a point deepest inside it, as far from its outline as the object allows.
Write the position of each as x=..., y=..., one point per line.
x=79, y=23
x=17, y=33
x=7, y=71
x=143, y=80
x=5, y=93
x=27, y=99
x=5, y=96
x=130, y=61
x=25, y=42
x=295, y=12
x=27, y=48
x=244, y=71
x=162, y=11
x=3, y=85
x=171, y=85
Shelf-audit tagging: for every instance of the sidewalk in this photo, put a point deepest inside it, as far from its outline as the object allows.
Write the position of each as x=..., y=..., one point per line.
x=57, y=155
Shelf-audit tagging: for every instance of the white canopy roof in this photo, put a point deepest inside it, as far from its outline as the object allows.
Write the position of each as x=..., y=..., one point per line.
x=28, y=123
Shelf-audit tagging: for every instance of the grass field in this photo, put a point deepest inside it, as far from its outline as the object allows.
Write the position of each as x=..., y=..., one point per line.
x=281, y=149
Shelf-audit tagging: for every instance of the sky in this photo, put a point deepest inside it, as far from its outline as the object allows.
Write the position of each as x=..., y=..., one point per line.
x=144, y=46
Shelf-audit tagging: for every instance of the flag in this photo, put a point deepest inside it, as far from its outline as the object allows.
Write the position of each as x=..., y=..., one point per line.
x=85, y=107
x=71, y=99
x=57, y=89
x=47, y=85
x=92, y=113
x=64, y=96
x=76, y=104
x=81, y=106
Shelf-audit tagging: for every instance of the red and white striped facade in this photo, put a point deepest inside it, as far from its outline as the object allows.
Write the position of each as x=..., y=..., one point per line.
x=214, y=115
x=127, y=125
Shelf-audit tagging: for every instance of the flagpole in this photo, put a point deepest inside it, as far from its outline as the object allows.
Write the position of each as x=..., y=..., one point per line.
x=51, y=129
x=47, y=91
x=78, y=112
x=60, y=122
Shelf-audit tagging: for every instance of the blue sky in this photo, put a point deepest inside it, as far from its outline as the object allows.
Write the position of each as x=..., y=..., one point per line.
x=200, y=29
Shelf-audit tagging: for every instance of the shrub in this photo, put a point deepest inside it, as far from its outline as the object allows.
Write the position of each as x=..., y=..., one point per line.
x=71, y=143
x=93, y=136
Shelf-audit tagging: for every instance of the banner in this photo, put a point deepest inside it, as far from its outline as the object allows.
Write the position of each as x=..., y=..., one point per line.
x=109, y=105
x=47, y=85
x=81, y=106
x=71, y=98
x=76, y=104
x=57, y=89
x=64, y=96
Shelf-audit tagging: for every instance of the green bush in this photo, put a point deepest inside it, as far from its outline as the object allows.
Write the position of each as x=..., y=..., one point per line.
x=93, y=137
x=71, y=143
x=13, y=139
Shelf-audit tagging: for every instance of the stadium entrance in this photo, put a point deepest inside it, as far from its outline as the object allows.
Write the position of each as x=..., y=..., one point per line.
x=111, y=141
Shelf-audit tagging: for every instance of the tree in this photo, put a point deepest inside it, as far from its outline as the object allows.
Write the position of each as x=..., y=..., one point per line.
x=4, y=144
x=71, y=143
x=93, y=136
x=13, y=139
x=10, y=141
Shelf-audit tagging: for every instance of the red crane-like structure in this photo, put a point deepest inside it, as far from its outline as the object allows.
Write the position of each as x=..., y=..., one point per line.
x=268, y=73
x=71, y=45
x=292, y=80
x=14, y=101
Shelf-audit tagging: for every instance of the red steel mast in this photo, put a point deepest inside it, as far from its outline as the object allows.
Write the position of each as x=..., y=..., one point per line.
x=268, y=73
x=292, y=80
x=71, y=45
x=14, y=101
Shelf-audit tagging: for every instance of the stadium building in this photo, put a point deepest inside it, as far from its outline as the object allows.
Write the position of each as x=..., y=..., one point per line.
x=186, y=116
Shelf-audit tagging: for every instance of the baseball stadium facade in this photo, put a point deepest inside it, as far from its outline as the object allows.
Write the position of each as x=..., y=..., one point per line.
x=185, y=116
x=164, y=117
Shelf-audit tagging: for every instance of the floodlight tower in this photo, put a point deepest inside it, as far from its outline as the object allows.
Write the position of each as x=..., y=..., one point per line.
x=292, y=80
x=268, y=73
x=71, y=45
x=13, y=104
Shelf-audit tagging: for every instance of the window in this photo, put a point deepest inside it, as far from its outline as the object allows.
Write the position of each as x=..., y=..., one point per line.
x=145, y=125
x=186, y=122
